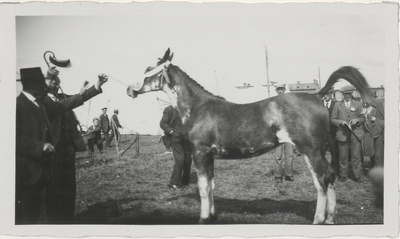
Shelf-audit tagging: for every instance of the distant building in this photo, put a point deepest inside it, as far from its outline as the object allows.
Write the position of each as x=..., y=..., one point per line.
x=310, y=88
x=245, y=86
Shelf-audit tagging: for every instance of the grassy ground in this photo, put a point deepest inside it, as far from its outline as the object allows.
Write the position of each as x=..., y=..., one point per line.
x=133, y=190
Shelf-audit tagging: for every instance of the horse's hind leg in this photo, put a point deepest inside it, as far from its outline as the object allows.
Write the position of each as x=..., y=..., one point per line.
x=326, y=201
x=205, y=175
x=331, y=204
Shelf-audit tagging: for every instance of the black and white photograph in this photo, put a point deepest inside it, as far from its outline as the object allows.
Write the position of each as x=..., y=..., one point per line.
x=211, y=119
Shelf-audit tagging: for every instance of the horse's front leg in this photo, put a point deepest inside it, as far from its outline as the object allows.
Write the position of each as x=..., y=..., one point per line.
x=205, y=174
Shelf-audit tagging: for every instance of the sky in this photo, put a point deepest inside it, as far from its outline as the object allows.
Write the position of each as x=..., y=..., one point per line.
x=221, y=46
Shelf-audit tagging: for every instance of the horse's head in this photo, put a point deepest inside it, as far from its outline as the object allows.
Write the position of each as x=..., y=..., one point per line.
x=154, y=77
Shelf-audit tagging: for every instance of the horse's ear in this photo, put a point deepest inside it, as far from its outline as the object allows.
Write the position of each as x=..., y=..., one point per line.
x=164, y=58
x=171, y=56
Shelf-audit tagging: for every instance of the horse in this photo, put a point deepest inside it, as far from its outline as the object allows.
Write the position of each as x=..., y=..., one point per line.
x=219, y=129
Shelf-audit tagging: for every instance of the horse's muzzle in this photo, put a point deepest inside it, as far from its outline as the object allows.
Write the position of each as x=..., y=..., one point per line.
x=132, y=93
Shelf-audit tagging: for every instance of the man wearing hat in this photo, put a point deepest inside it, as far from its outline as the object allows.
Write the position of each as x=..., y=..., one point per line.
x=285, y=147
x=348, y=118
x=329, y=103
x=115, y=125
x=61, y=189
x=34, y=146
x=105, y=126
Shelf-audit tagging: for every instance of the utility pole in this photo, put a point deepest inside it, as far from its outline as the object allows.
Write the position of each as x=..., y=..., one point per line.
x=319, y=76
x=266, y=54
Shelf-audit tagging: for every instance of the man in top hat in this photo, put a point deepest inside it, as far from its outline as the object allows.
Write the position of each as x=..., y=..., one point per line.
x=34, y=146
x=105, y=126
x=348, y=118
x=285, y=147
x=329, y=103
x=114, y=126
x=61, y=189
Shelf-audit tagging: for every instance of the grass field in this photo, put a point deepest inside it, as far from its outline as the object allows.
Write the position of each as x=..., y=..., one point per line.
x=132, y=189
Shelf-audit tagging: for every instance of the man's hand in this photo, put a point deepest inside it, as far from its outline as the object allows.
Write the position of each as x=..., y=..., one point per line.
x=48, y=148
x=103, y=78
x=353, y=122
x=52, y=72
x=84, y=87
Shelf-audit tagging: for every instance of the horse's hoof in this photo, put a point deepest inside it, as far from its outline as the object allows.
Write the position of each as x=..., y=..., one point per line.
x=213, y=218
x=204, y=220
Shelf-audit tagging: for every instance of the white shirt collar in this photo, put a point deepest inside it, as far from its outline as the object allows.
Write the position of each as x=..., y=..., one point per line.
x=30, y=97
x=328, y=102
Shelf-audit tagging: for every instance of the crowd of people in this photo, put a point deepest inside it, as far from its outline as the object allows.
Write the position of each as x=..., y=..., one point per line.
x=47, y=139
x=356, y=131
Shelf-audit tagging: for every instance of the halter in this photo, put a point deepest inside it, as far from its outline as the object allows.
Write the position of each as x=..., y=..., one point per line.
x=162, y=70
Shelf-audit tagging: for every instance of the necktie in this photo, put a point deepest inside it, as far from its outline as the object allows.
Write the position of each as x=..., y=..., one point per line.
x=327, y=105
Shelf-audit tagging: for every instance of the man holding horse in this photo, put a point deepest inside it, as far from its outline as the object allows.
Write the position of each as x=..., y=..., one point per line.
x=285, y=147
x=172, y=126
x=348, y=118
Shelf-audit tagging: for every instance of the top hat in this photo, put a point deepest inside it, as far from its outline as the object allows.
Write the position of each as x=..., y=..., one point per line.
x=347, y=89
x=32, y=78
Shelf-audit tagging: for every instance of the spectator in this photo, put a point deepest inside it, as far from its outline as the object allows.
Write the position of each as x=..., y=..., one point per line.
x=347, y=116
x=105, y=126
x=61, y=188
x=172, y=126
x=95, y=138
x=114, y=126
x=285, y=147
x=34, y=147
x=368, y=148
x=332, y=144
x=378, y=131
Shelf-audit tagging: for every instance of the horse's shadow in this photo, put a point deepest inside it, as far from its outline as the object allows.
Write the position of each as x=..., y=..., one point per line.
x=110, y=212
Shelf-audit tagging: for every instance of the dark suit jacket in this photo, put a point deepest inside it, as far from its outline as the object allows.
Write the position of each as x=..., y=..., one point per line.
x=95, y=133
x=341, y=113
x=379, y=114
x=332, y=127
x=104, y=123
x=170, y=121
x=116, y=121
x=32, y=132
x=64, y=122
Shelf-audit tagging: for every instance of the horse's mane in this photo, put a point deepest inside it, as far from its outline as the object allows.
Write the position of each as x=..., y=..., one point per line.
x=196, y=87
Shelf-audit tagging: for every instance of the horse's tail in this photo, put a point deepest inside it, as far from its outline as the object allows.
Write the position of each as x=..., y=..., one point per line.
x=354, y=77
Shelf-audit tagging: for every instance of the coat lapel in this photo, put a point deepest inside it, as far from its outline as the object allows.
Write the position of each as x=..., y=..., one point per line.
x=343, y=105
